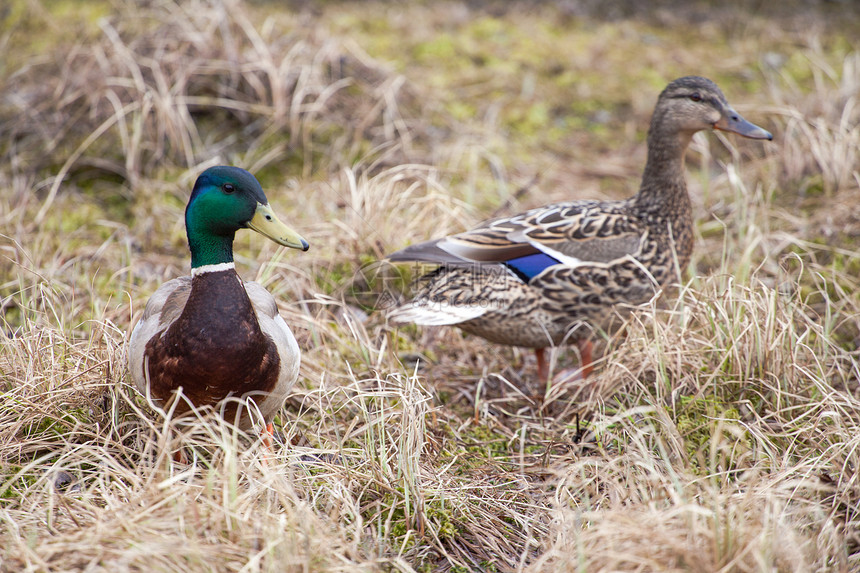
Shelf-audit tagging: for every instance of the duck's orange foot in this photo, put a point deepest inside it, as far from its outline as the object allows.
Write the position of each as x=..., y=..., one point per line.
x=268, y=435
x=179, y=456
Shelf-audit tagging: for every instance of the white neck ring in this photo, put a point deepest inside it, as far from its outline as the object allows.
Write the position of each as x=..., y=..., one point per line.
x=217, y=268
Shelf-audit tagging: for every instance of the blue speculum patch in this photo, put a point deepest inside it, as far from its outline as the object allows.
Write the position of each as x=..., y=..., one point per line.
x=530, y=266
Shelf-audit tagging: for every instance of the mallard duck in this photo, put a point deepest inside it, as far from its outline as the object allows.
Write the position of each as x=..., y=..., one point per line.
x=211, y=334
x=551, y=275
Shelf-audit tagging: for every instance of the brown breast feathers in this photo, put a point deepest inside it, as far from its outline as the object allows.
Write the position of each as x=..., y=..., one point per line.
x=215, y=348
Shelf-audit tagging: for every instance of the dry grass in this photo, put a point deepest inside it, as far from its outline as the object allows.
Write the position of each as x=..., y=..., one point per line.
x=720, y=432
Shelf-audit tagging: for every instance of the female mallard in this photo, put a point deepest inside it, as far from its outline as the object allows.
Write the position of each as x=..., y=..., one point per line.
x=211, y=334
x=550, y=275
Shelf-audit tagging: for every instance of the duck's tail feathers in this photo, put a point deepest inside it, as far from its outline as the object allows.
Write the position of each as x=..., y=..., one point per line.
x=430, y=313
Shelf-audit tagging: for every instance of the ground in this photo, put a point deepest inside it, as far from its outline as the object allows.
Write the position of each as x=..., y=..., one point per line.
x=719, y=431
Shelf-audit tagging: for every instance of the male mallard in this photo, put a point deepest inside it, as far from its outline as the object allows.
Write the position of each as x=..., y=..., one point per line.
x=551, y=274
x=209, y=333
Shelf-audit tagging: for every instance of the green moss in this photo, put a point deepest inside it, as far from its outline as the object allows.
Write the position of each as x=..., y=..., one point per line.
x=813, y=186
x=442, y=47
x=703, y=422
x=36, y=27
x=847, y=264
x=531, y=120
x=443, y=518
x=481, y=439
x=55, y=426
x=15, y=489
x=460, y=110
x=798, y=69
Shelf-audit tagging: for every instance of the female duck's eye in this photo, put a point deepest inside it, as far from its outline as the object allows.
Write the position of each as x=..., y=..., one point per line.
x=696, y=96
x=228, y=188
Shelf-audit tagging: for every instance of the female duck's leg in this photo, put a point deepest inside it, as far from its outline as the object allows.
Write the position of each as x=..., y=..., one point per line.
x=586, y=366
x=542, y=366
x=585, y=356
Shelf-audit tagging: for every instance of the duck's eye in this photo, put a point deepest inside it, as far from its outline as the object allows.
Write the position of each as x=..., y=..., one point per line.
x=696, y=96
x=228, y=188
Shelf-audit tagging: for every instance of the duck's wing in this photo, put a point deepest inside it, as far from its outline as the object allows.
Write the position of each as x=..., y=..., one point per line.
x=571, y=234
x=163, y=308
x=497, y=263
x=273, y=325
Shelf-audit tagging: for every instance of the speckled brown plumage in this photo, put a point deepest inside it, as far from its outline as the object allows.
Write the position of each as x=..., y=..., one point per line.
x=553, y=274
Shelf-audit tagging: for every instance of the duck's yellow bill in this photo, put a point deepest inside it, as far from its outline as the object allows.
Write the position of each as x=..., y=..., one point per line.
x=267, y=224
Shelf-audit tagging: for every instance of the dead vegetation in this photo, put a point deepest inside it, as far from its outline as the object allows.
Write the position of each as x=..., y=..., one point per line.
x=720, y=432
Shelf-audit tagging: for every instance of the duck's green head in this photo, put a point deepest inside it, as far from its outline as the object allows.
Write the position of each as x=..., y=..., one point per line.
x=224, y=200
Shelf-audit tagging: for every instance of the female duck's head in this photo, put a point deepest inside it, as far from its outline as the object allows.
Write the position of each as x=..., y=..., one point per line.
x=693, y=103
